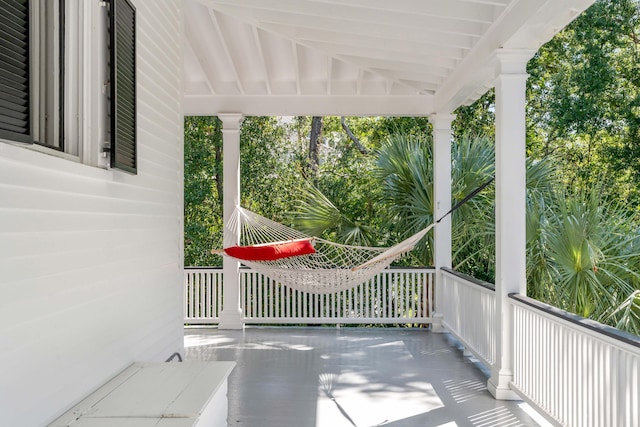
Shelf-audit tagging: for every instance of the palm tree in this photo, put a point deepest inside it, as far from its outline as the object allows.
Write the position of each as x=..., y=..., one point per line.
x=404, y=168
x=591, y=252
x=583, y=254
x=316, y=215
x=627, y=315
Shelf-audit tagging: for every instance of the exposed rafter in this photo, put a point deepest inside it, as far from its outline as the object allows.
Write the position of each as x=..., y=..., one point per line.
x=301, y=56
x=296, y=64
x=256, y=37
x=225, y=49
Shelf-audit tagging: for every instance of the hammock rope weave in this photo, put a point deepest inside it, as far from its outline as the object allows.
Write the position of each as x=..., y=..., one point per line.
x=332, y=268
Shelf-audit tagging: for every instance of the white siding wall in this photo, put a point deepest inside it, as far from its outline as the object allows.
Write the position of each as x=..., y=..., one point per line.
x=91, y=259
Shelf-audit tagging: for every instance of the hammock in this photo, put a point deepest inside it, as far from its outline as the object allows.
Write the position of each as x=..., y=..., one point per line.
x=306, y=263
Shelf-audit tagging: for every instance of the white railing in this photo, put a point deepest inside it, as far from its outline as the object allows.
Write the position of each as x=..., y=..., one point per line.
x=468, y=309
x=202, y=295
x=395, y=296
x=578, y=372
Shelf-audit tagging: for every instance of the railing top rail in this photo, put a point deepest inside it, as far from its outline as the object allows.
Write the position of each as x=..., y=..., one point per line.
x=469, y=279
x=605, y=330
x=392, y=268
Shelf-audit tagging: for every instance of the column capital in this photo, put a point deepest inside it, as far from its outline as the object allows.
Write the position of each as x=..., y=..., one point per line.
x=512, y=61
x=442, y=120
x=231, y=121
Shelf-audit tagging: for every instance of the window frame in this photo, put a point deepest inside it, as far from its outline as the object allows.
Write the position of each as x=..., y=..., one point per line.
x=85, y=89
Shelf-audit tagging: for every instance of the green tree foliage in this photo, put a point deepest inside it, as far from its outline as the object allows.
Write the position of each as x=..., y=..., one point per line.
x=583, y=174
x=405, y=168
x=270, y=172
x=202, y=190
x=583, y=101
x=477, y=119
x=584, y=255
x=270, y=167
x=342, y=185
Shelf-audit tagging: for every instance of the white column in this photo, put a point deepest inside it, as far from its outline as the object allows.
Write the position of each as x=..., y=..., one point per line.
x=510, y=209
x=442, y=204
x=231, y=315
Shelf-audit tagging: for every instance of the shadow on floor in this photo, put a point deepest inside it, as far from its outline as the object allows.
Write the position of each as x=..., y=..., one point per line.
x=352, y=377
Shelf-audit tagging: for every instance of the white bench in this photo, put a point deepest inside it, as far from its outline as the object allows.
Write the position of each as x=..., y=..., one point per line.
x=185, y=394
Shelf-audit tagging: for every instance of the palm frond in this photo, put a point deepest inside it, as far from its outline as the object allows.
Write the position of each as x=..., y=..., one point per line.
x=318, y=216
x=627, y=315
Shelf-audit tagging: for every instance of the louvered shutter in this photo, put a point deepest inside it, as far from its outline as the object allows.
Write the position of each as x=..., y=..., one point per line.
x=15, y=105
x=123, y=86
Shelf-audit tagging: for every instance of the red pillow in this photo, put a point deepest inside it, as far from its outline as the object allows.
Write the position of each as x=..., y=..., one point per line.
x=271, y=252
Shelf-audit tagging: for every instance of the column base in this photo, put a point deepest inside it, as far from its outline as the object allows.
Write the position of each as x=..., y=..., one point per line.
x=436, y=325
x=501, y=390
x=231, y=320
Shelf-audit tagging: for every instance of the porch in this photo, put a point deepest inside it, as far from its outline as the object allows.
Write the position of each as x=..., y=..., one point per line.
x=573, y=371
x=346, y=376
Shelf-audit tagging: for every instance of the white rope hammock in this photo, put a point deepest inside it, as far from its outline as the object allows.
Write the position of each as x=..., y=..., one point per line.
x=331, y=268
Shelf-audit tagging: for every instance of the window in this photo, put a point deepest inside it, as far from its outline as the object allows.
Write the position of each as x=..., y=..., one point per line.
x=45, y=78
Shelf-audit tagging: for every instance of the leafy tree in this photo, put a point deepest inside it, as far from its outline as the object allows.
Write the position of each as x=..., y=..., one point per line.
x=584, y=97
x=477, y=118
x=271, y=167
x=270, y=172
x=584, y=257
x=202, y=190
x=344, y=181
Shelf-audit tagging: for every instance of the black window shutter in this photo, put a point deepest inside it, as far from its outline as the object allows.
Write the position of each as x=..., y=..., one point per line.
x=15, y=104
x=123, y=86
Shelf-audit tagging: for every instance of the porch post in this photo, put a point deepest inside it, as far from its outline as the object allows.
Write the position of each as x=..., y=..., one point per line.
x=231, y=315
x=510, y=209
x=442, y=203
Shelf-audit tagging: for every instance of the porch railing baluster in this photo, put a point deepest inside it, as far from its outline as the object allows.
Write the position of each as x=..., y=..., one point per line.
x=394, y=296
x=577, y=371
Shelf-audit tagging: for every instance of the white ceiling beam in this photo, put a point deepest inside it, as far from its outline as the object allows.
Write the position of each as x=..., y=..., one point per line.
x=201, y=51
x=361, y=66
x=501, y=3
x=199, y=54
x=359, y=81
x=258, y=41
x=390, y=46
x=397, y=66
x=288, y=24
x=329, y=73
x=416, y=84
x=345, y=16
x=296, y=64
x=389, y=34
x=337, y=38
x=385, y=53
x=423, y=78
x=453, y=9
x=225, y=47
x=335, y=105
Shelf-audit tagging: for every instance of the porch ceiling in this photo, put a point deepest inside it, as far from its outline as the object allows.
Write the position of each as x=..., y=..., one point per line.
x=355, y=57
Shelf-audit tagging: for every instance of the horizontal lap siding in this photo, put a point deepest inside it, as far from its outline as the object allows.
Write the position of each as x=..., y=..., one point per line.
x=91, y=260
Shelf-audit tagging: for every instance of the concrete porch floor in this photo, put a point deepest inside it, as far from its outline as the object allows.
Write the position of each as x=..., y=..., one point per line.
x=352, y=377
